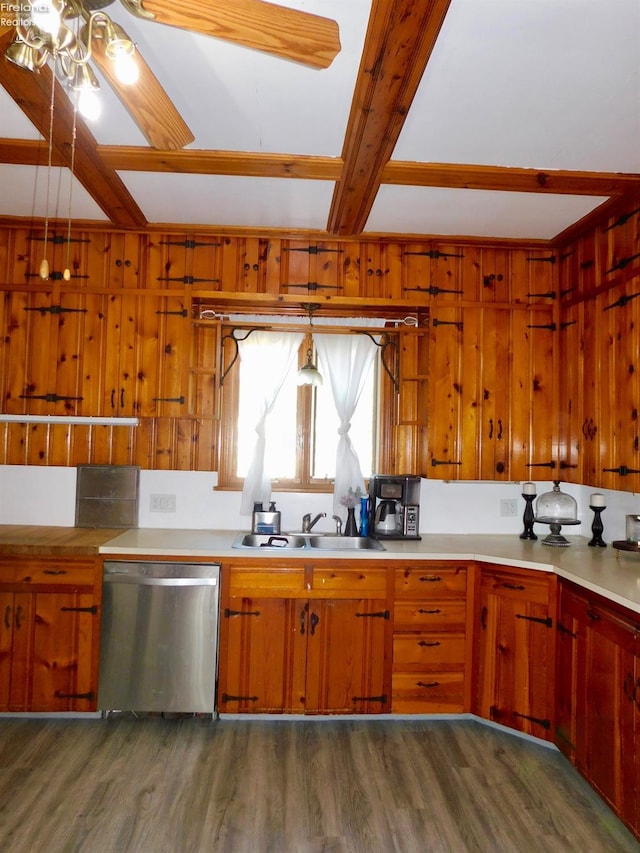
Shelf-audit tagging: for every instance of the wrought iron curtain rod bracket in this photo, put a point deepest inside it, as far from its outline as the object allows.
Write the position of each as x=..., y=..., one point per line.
x=231, y=336
x=383, y=344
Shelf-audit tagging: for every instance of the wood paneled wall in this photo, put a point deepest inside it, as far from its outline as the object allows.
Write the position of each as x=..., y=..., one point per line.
x=599, y=277
x=478, y=382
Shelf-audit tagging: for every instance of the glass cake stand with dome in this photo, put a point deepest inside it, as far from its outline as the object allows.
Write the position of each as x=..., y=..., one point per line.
x=556, y=509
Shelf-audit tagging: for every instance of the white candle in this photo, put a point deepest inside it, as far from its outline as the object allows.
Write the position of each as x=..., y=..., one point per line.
x=528, y=488
x=597, y=500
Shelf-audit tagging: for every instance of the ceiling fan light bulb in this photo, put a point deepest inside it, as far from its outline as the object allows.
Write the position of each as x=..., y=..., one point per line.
x=66, y=275
x=44, y=269
x=126, y=68
x=89, y=105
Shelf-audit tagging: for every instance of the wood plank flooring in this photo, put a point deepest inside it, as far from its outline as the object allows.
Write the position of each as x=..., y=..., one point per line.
x=192, y=786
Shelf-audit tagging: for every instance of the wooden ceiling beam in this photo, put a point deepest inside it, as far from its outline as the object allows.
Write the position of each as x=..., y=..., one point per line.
x=32, y=93
x=398, y=44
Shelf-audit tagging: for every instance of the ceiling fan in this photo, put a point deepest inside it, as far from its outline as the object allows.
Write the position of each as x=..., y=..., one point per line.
x=277, y=30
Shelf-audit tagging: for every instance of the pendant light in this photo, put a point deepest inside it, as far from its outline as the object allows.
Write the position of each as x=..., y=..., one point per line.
x=309, y=373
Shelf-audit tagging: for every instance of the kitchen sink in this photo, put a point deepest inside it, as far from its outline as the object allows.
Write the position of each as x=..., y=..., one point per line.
x=316, y=541
x=345, y=543
x=269, y=540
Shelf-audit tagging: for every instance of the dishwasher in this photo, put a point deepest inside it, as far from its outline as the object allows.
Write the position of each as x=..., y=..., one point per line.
x=159, y=637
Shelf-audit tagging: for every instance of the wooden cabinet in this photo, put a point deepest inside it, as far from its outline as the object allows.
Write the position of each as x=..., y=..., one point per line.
x=49, y=634
x=430, y=639
x=516, y=649
x=304, y=639
x=598, y=677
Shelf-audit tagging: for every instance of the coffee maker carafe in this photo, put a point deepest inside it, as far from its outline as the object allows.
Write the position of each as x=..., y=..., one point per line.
x=394, y=505
x=388, y=518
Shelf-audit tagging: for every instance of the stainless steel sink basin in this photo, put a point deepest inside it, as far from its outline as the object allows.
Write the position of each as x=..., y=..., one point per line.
x=269, y=540
x=345, y=543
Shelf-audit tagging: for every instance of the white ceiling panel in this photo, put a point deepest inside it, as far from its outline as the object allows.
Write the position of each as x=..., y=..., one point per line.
x=545, y=84
x=29, y=187
x=434, y=210
x=259, y=202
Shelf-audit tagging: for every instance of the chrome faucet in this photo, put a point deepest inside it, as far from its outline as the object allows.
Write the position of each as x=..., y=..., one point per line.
x=307, y=523
x=338, y=522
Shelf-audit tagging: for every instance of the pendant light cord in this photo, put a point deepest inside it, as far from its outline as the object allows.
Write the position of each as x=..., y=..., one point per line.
x=50, y=156
x=73, y=159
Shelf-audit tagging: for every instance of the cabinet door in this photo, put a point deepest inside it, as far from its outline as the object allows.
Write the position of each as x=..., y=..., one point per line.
x=516, y=664
x=264, y=643
x=346, y=657
x=63, y=646
x=16, y=650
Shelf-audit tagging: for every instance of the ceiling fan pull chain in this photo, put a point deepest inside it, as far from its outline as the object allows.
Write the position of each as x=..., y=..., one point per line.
x=44, y=264
x=67, y=271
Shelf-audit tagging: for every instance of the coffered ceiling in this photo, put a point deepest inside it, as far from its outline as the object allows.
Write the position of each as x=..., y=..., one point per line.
x=509, y=119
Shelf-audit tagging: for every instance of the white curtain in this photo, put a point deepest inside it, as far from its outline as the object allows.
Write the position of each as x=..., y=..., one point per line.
x=269, y=355
x=347, y=359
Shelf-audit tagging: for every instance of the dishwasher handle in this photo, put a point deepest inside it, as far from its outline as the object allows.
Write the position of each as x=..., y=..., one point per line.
x=143, y=580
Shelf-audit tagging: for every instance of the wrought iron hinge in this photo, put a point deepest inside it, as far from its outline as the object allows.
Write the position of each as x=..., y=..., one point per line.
x=433, y=290
x=228, y=612
x=551, y=326
x=183, y=313
x=59, y=239
x=585, y=265
x=622, y=470
x=56, y=275
x=381, y=614
x=435, y=462
x=457, y=323
x=381, y=699
x=312, y=286
x=565, y=465
x=93, y=609
x=187, y=244
x=547, y=622
x=227, y=697
x=550, y=464
x=546, y=724
x=622, y=219
x=568, y=323
x=189, y=279
x=620, y=303
x=564, y=630
x=313, y=250
x=550, y=294
x=622, y=263
x=435, y=254
x=57, y=309
x=551, y=259
x=169, y=400
x=48, y=398
x=567, y=291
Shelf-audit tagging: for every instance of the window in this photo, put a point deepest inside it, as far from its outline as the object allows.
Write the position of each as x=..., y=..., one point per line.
x=301, y=429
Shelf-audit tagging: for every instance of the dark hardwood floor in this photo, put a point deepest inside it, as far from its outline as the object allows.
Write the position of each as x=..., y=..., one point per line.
x=191, y=785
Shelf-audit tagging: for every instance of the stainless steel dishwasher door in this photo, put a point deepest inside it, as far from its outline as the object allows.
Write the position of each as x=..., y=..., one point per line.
x=159, y=637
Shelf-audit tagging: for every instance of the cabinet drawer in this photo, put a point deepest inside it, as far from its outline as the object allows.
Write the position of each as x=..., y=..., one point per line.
x=49, y=572
x=527, y=587
x=265, y=583
x=431, y=580
x=367, y=582
x=428, y=649
x=428, y=693
x=446, y=615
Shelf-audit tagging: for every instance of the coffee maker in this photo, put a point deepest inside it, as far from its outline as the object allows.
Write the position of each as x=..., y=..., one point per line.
x=394, y=507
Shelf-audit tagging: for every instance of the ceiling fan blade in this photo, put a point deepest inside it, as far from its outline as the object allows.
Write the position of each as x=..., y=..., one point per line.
x=286, y=33
x=147, y=102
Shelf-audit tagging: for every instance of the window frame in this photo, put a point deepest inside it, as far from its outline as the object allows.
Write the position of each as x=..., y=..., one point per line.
x=229, y=401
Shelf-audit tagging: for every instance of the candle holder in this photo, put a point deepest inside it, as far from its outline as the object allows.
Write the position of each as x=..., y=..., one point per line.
x=528, y=518
x=597, y=527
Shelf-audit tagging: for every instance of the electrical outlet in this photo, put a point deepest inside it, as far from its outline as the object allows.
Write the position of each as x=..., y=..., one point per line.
x=162, y=503
x=508, y=507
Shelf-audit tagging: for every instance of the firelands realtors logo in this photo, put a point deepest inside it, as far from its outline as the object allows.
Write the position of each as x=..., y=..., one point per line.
x=17, y=14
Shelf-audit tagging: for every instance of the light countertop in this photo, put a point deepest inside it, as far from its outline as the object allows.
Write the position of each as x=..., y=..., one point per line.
x=611, y=573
